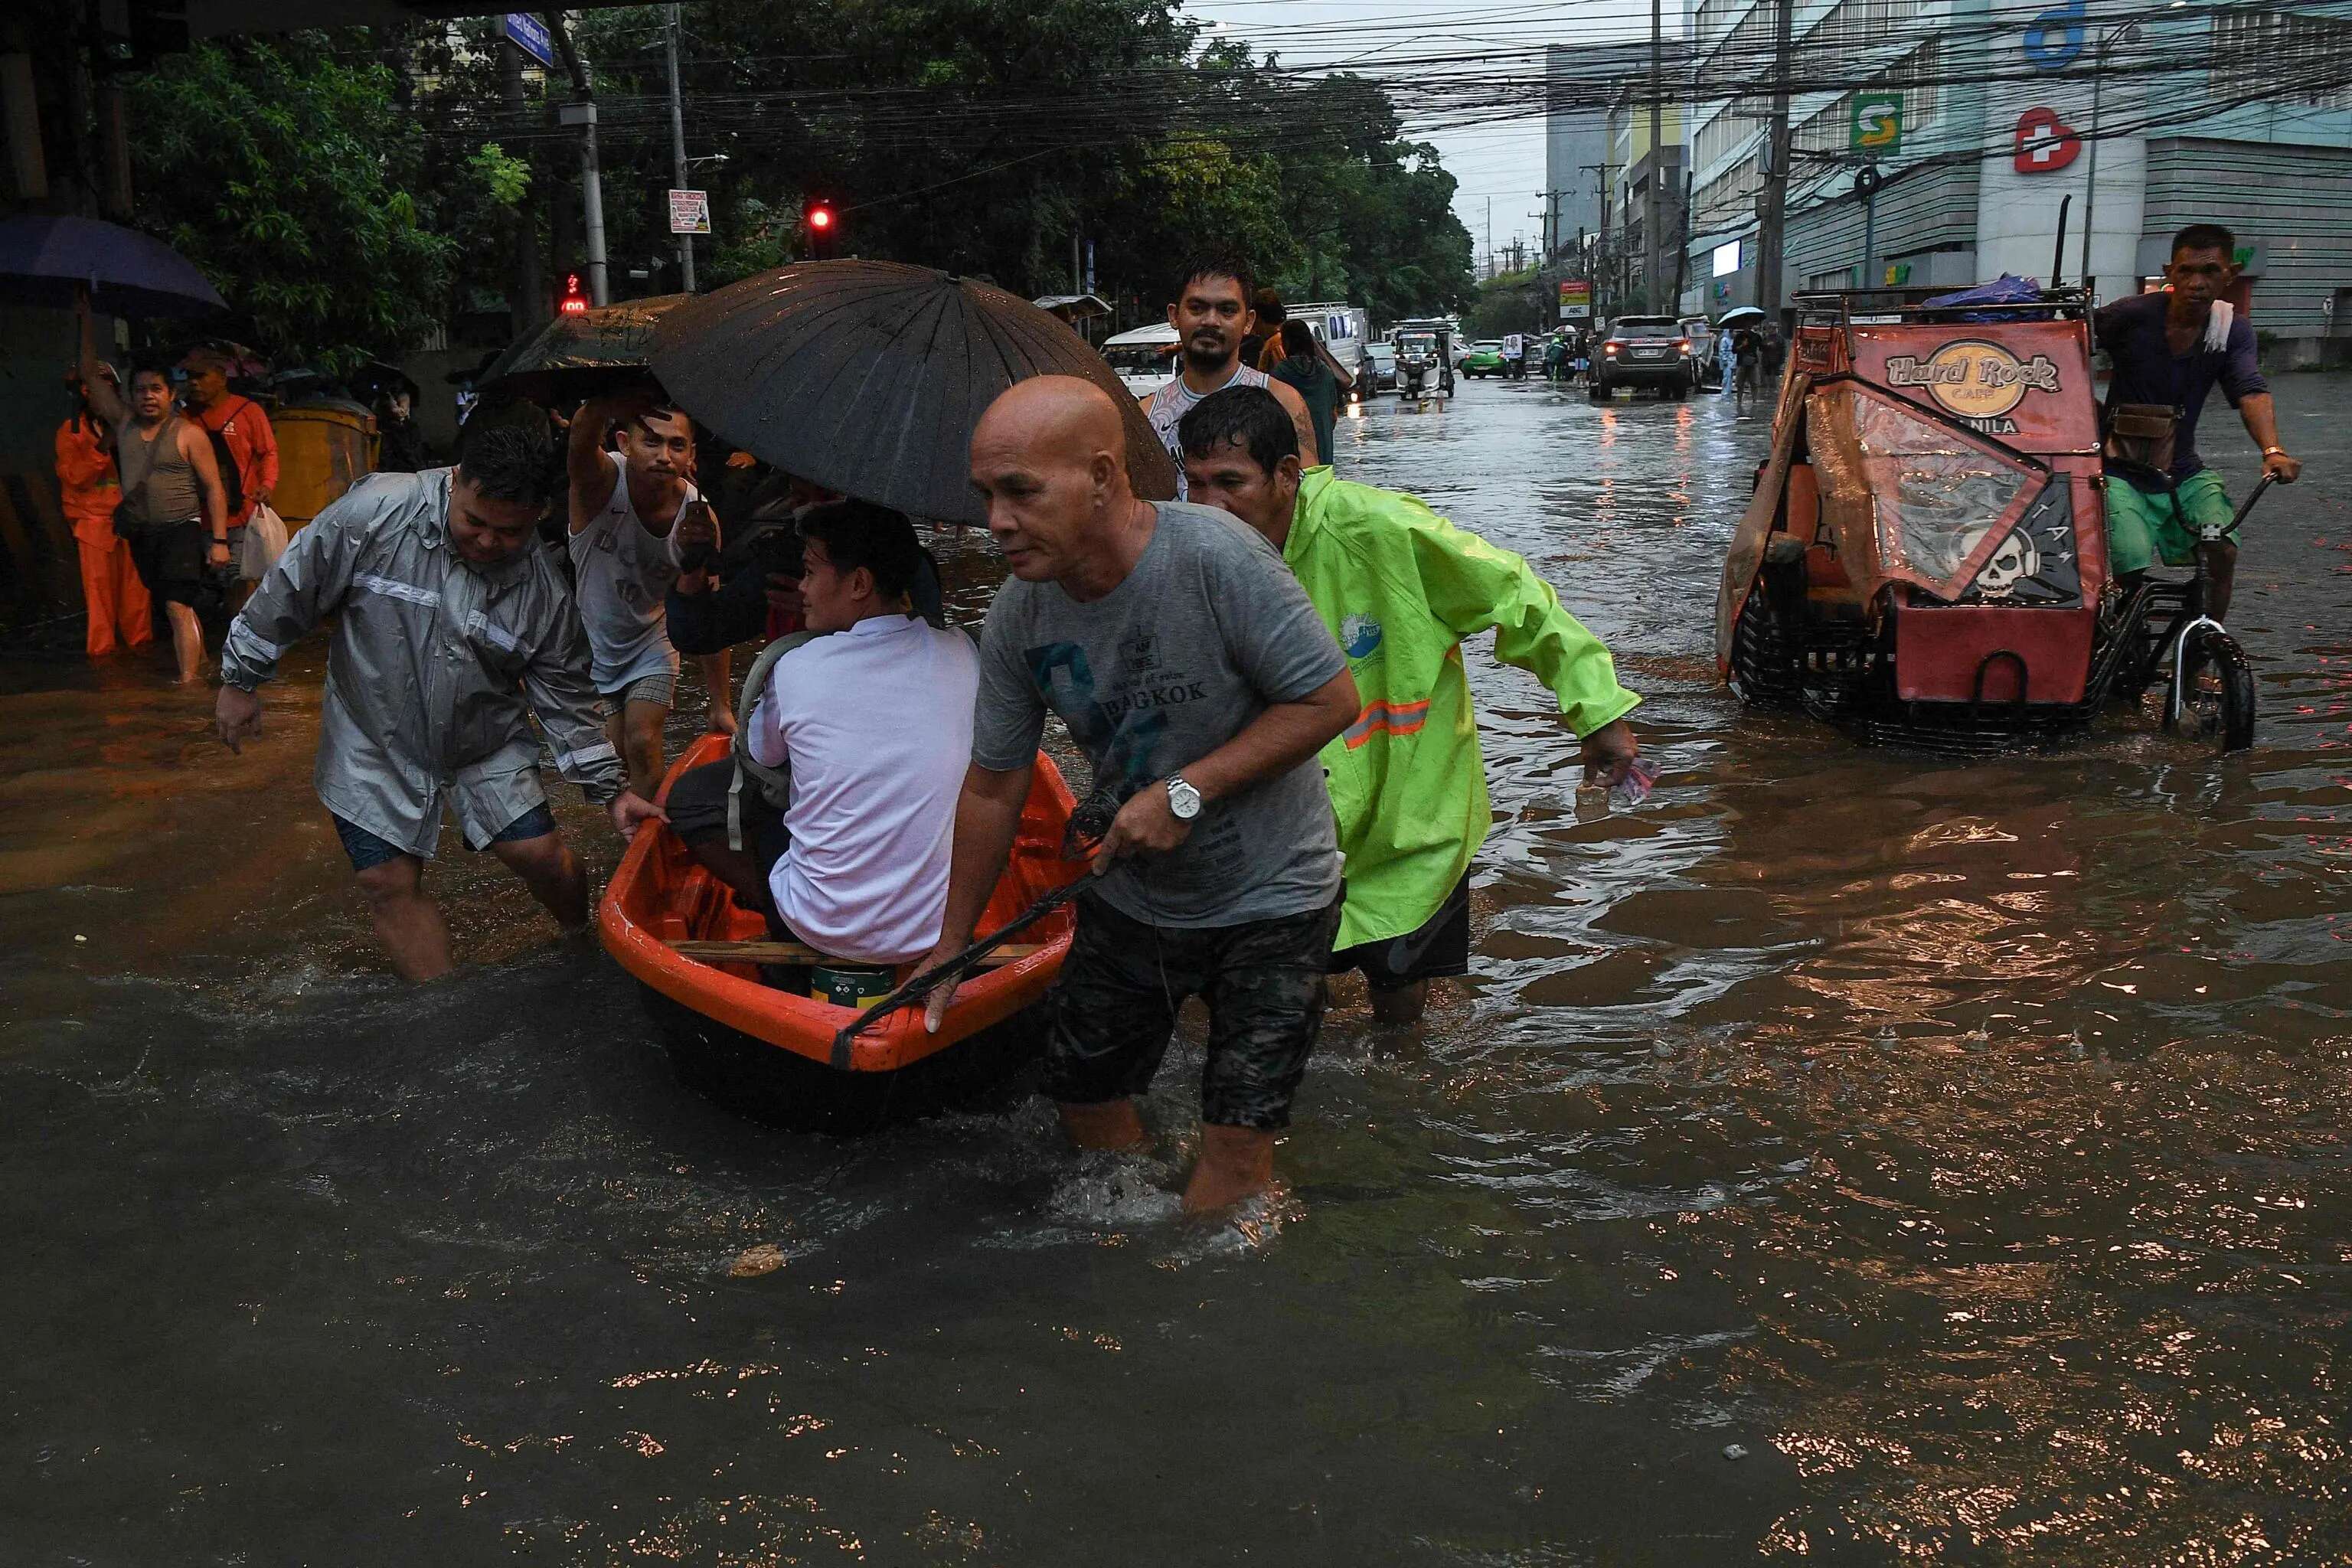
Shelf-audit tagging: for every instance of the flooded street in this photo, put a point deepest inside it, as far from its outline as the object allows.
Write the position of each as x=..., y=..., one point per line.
x=1848, y=1155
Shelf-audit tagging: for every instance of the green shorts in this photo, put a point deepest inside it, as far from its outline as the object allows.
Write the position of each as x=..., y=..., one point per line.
x=2140, y=525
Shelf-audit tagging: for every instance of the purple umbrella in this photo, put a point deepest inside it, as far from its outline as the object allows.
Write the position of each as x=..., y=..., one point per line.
x=128, y=273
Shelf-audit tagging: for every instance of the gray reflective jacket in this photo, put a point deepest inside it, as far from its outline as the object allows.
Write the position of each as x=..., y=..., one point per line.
x=432, y=662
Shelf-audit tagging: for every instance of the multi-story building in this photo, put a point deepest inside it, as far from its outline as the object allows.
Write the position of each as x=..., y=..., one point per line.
x=1575, y=145
x=2134, y=121
x=1636, y=167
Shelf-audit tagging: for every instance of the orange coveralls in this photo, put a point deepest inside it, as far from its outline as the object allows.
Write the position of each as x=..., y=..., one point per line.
x=111, y=588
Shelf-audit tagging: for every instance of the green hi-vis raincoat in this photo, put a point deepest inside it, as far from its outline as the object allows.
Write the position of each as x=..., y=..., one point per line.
x=1400, y=587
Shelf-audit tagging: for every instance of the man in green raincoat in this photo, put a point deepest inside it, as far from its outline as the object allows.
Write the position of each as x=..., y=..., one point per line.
x=1400, y=587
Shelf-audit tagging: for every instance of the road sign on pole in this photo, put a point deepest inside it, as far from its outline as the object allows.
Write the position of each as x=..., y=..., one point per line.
x=689, y=212
x=1877, y=125
x=529, y=36
x=1575, y=298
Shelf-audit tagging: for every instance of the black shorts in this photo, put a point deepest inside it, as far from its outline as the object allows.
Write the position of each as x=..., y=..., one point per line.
x=1441, y=947
x=1115, y=1007
x=367, y=851
x=697, y=810
x=170, y=559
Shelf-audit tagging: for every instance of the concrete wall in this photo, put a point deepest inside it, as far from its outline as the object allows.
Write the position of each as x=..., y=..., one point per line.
x=2295, y=201
x=1926, y=210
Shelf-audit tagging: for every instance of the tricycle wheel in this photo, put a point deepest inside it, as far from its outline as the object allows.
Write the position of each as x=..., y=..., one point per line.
x=1766, y=668
x=2218, y=695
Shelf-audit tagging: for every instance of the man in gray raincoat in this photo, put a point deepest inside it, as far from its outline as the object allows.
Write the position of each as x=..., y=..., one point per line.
x=448, y=619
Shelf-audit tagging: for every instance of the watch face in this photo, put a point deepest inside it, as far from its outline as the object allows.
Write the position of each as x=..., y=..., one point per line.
x=1183, y=800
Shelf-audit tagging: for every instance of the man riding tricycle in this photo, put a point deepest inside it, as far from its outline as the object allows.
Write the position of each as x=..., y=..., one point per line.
x=1952, y=544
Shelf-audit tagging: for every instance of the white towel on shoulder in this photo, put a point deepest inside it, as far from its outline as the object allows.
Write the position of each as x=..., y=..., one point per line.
x=2217, y=327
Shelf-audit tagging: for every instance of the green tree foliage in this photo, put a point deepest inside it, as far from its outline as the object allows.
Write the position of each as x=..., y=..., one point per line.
x=349, y=190
x=981, y=135
x=291, y=178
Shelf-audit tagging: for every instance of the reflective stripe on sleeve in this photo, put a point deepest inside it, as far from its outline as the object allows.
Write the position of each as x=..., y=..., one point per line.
x=1380, y=718
x=482, y=626
x=251, y=644
x=393, y=588
x=602, y=751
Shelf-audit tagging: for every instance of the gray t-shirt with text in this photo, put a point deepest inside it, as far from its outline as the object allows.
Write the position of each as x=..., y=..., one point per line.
x=1207, y=631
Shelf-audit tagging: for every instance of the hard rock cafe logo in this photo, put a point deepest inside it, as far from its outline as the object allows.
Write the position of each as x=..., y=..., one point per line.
x=1977, y=380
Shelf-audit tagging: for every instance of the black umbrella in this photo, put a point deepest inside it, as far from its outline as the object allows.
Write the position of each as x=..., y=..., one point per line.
x=580, y=354
x=866, y=377
x=128, y=273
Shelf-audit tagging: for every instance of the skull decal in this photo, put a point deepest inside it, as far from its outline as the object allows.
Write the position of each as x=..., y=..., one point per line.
x=2016, y=560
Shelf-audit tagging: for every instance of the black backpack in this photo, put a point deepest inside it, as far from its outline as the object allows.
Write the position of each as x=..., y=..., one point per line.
x=232, y=482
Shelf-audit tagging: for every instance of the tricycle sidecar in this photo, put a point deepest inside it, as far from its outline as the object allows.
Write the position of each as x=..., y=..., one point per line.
x=1924, y=558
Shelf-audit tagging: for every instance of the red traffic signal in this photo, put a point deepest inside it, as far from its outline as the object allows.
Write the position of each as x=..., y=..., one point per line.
x=574, y=302
x=820, y=218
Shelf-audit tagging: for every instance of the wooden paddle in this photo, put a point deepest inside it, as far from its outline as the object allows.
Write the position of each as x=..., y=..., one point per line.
x=765, y=951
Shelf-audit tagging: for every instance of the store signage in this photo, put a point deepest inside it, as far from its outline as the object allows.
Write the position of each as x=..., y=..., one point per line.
x=1877, y=130
x=1725, y=260
x=2045, y=144
x=2056, y=38
x=1575, y=298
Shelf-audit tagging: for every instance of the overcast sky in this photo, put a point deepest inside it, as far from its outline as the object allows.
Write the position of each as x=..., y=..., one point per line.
x=1504, y=161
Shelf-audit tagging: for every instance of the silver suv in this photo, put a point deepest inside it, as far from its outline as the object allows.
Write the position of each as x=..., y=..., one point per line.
x=1646, y=350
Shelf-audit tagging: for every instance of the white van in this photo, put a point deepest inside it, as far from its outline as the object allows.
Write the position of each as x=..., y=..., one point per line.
x=1344, y=329
x=1144, y=358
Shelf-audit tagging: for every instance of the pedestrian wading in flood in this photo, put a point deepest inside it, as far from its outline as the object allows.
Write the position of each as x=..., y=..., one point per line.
x=450, y=630
x=1400, y=587
x=1219, y=874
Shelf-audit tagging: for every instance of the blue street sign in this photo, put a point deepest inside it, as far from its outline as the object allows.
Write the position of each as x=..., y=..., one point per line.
x=530, y=34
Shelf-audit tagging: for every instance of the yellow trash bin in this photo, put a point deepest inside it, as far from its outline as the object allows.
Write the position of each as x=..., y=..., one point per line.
x=323, y=448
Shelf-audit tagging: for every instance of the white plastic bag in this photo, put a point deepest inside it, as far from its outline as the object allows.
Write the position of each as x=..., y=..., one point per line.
x=265, y=542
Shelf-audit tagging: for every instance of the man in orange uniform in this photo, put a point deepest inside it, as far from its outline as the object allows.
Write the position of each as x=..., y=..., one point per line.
x=239, y=421
x=117, y=600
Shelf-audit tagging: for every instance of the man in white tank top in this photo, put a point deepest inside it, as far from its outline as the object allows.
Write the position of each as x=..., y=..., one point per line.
x=624, y=510
x=1211, y=312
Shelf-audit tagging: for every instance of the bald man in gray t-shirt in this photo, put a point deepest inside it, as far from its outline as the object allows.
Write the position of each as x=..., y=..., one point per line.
x=1188, y=664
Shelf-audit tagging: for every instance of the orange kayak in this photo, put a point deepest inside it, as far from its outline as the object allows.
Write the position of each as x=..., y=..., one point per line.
x=771, y=1053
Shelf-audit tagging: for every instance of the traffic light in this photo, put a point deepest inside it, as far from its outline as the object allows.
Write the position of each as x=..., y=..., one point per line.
x=573, y=302
x=820, y=218
x=824, y=225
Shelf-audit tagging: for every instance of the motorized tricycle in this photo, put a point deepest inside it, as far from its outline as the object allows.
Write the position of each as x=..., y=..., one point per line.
x=1424, y=366
x=1924, y=558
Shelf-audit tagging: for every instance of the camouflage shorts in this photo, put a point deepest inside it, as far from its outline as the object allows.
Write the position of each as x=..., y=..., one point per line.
x=1115, y=1008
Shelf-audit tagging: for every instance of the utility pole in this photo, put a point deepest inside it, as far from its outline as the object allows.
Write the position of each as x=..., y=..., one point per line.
x=1654, y=219
x=1772, y=210
x=527, y=294
x=1490, y=237
x=1600, y=173
x=678, y=145
x=583, y=113
x=1681, y=245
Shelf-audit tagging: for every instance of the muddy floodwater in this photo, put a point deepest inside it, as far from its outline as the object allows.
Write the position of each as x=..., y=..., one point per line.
x=1848, y=1156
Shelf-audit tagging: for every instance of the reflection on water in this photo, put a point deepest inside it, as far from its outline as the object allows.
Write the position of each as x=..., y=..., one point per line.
x=1961, y=1146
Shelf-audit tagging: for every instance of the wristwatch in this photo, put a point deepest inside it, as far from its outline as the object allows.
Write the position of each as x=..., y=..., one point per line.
x=2274, y=451
x=1183, y=800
